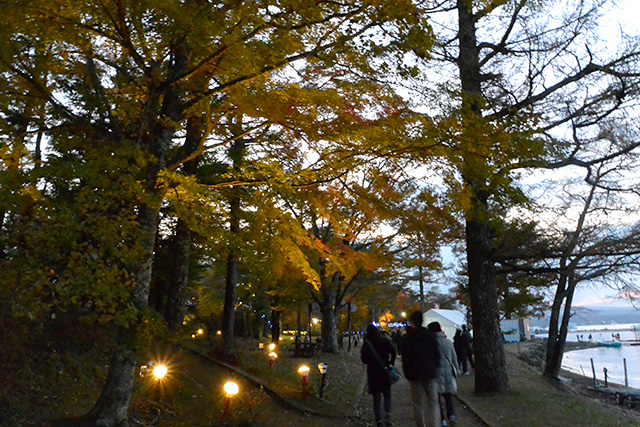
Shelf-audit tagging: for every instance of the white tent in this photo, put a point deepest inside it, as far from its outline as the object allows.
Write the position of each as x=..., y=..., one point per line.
x=449, y=320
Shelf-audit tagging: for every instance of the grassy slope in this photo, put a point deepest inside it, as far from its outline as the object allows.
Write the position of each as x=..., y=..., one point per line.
x=56, y=375
x=44, y=377
x=48, y=371
x=536, y=401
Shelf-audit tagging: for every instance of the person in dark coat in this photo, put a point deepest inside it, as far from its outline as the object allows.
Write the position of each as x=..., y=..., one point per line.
x=378, y=353
x=460, y=345
x=420, y=363
x=397, y=338
x=468, y=341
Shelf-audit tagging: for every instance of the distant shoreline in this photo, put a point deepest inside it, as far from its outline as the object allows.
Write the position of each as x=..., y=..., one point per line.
x=627, y=327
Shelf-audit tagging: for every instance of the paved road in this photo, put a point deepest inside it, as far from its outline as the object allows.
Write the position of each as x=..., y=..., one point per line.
x=403, y=408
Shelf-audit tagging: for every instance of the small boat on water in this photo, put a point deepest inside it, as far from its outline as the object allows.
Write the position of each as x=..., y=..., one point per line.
x=609, y=344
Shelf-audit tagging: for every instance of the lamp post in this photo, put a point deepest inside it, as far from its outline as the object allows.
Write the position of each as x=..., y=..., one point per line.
x=230, y=389
x=304, y=376
x=322, y=367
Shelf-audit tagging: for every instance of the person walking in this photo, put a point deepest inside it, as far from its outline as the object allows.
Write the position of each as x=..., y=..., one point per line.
x=420, y=362
x=459, y=343
x=468, y=342
x=378, y=353
x=447, y=373
x=397, y=338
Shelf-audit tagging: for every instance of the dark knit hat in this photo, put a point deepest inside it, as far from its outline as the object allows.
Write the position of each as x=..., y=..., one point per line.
x=434, y=326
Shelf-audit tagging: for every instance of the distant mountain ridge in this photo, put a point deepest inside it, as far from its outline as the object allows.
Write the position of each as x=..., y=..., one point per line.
x=595, y=315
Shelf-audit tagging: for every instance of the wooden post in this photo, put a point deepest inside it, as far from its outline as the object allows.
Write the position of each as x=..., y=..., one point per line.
x=593, y=369
x=626, y=379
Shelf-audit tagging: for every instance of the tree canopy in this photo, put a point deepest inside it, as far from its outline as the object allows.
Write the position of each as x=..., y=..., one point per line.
x=118, y=97
x=301, y=145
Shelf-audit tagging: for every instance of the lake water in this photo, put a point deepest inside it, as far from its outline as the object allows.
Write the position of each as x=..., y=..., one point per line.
x=601, y=332
x=579, y=361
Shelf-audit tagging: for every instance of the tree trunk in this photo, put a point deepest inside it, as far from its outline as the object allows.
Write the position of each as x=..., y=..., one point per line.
x=2, y=250
x=329, y=323
x=275, y=326
x=176, y=292
x=558, y=328
x=553, y=345
x=236, y=153
x=488, y=350
x=176, y=295
x=112, y=406
x=421, y=279
x=349, y=324
x=490, y=365
x=231, y=281
x=567, y=283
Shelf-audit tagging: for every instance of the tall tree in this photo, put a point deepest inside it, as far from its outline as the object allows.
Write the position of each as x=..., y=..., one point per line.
x=334, y=235
x=600, y=242
x=129, y=74
x=120, y=80
x=169, y=291
x=425, y=225
x=520, y=249
x=509, y=74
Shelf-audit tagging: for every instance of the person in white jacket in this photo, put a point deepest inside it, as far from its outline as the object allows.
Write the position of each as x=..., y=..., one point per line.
x=448, y=372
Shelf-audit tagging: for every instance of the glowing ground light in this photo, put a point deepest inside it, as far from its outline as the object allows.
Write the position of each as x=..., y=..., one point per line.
x=160, y=371
x=200, y=331
x=304, y=376
x=303, y=370
x=272, y=347
x=231, y=388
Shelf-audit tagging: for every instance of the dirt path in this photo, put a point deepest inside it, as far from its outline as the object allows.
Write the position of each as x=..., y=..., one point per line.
x=402, y=408
x=262, y=409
